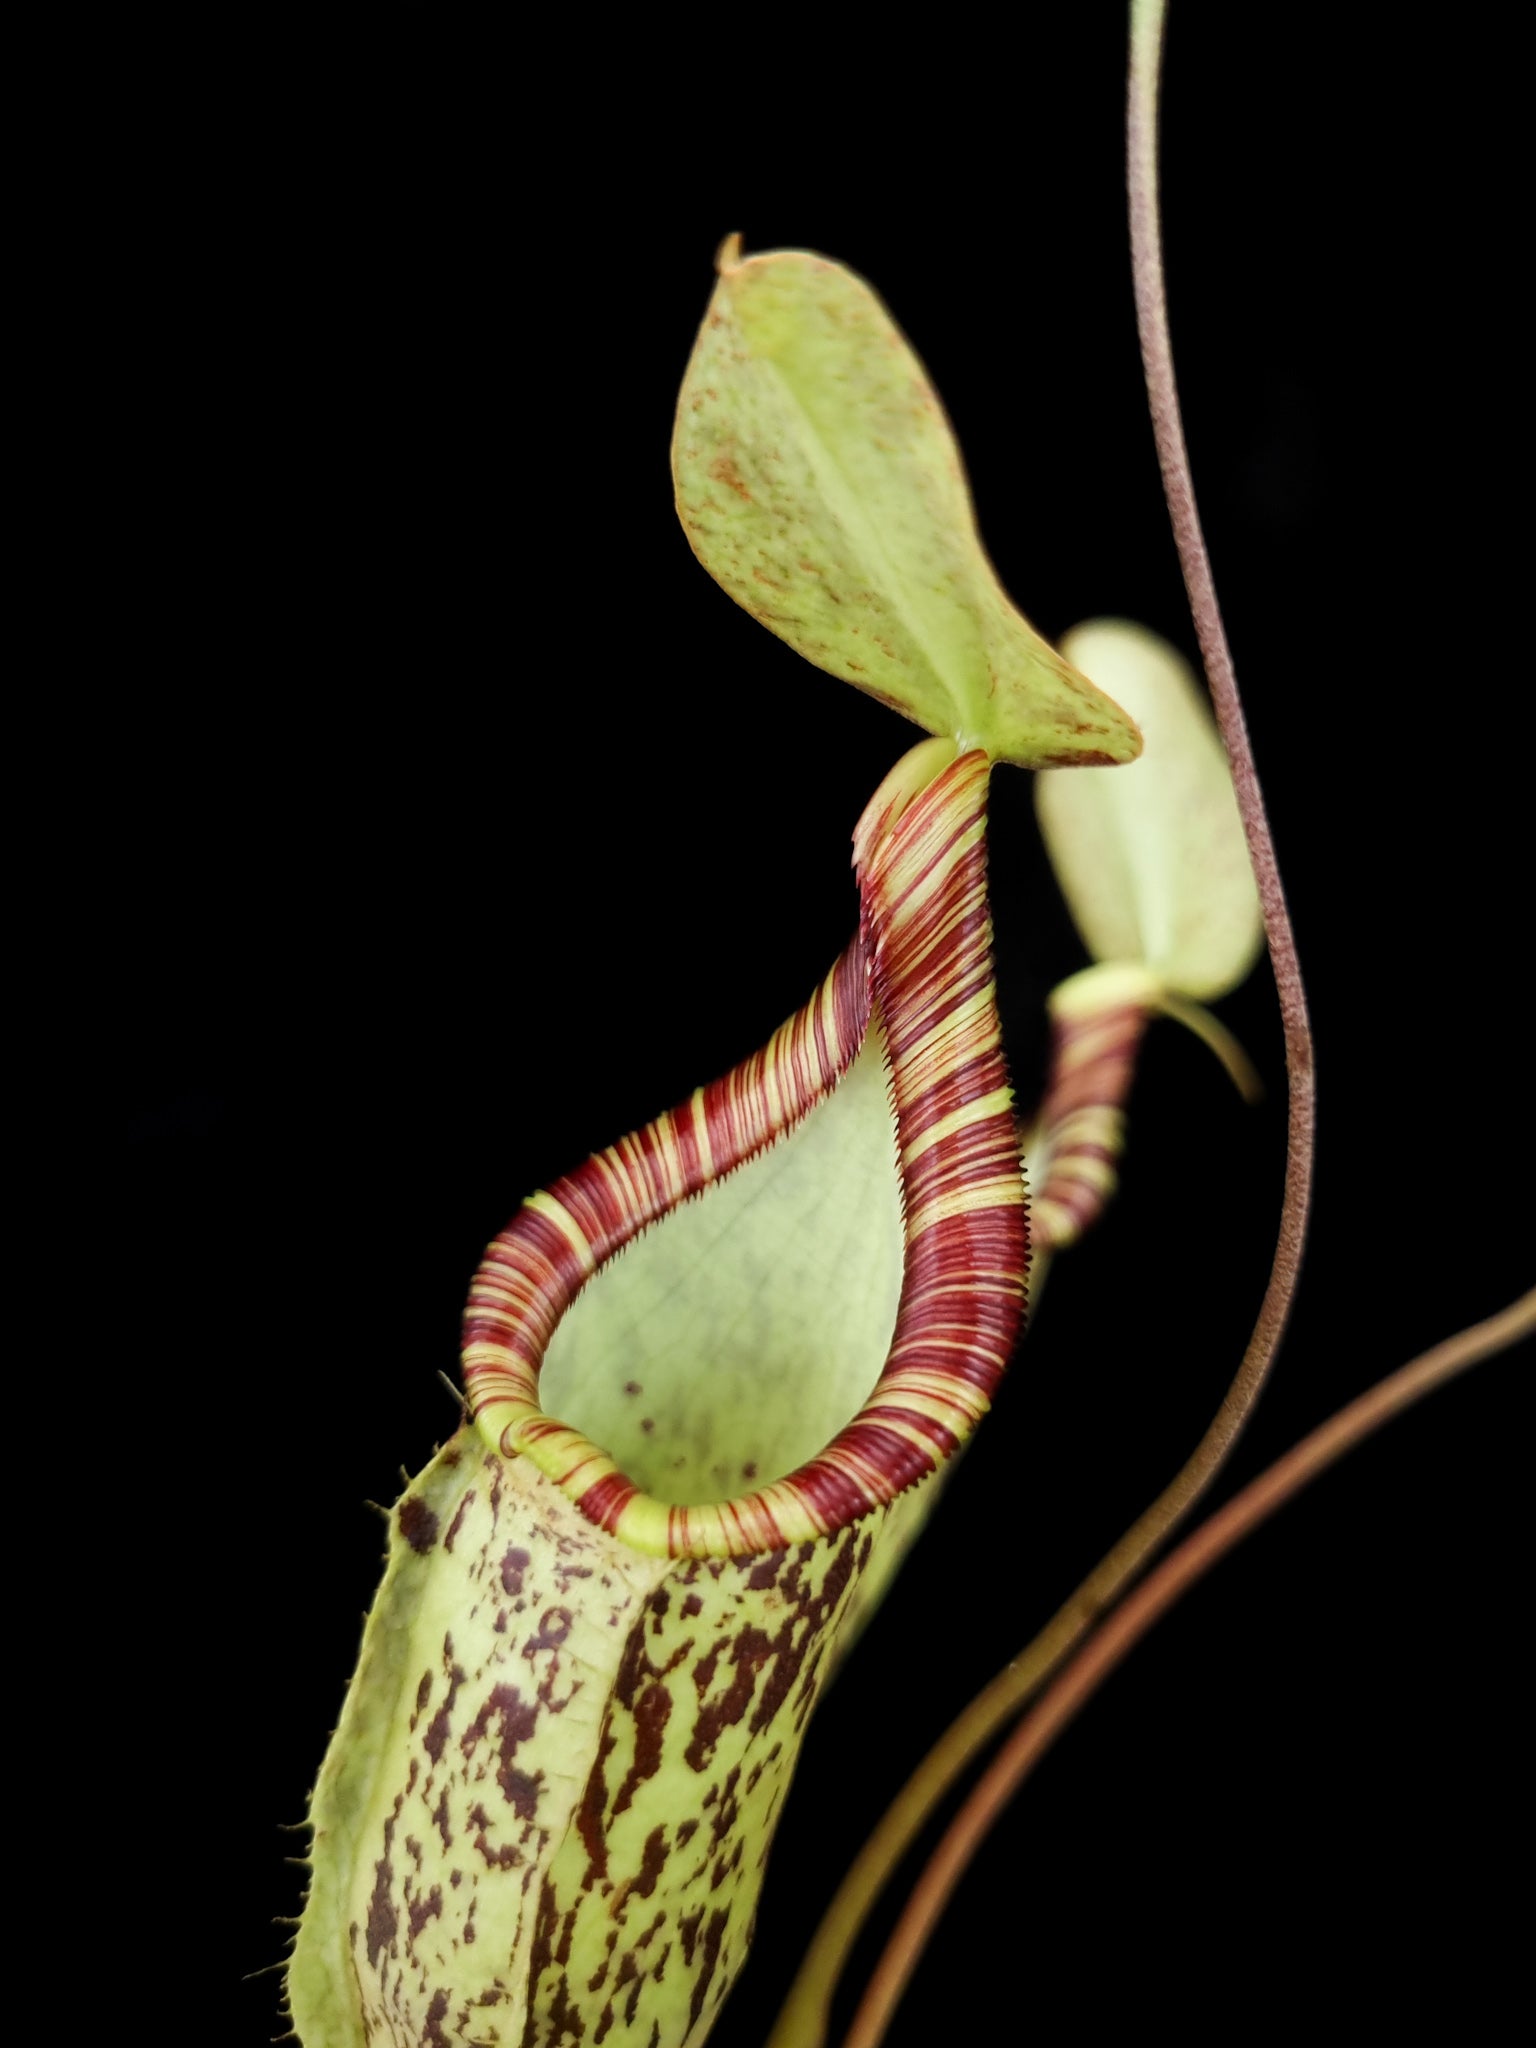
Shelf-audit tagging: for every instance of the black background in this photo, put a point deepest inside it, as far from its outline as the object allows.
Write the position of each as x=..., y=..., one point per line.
x=434, y=856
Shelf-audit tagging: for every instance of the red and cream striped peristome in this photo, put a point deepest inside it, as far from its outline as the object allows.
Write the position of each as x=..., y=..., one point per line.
x=920, y=969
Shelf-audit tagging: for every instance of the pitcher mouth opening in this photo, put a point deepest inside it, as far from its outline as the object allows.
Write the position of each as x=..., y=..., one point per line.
x=915, y=992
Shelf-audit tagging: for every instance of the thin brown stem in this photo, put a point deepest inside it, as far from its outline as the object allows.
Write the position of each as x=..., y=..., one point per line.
x=1131, y=1621
x=1147, y=19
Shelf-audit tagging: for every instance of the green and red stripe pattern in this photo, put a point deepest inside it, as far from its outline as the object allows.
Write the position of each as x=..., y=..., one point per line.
x=1098, y=1019
x=921, y=972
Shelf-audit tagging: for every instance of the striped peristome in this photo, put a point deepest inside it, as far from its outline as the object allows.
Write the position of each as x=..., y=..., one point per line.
x=1097, y=1021
x=546, y=1811
x=922, y=962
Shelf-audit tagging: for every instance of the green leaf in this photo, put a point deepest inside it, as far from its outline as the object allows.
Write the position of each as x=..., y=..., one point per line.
x=819, y=483
x=1152, y=858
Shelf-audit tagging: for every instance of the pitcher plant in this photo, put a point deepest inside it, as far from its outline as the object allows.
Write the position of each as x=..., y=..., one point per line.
x=715, y=1378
